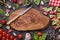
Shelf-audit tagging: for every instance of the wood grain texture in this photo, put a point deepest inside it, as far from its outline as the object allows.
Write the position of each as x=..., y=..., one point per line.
x=32, y=20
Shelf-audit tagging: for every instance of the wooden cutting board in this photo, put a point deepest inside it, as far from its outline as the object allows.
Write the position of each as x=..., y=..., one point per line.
x=32, y=20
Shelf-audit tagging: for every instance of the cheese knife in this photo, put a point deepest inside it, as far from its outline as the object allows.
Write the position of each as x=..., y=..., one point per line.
x=21, y=13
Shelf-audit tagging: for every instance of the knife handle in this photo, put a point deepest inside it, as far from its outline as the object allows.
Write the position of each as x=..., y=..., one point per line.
x=13, y=19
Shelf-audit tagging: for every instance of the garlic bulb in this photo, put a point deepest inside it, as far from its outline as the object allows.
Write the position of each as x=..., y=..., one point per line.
x=28, y=36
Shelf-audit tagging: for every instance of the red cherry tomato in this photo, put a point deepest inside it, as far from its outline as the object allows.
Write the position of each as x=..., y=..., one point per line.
x=4, y=33
x=3, y=38
x=45, y=13
x=51, y=12
x=54, y=12
x=3, y=22
x=1, y=30
x=41, y=7
x=53, y=19
x=55, y=16
x=55, y=27
x=15, y=38
x=7, y=36
x=20, y=36
x=15, y=1
x=39, y=33
x=0, y=35
x=11, y=37
x=20, y=2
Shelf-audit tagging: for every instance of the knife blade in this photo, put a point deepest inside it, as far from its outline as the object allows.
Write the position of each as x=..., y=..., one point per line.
x=20, y=14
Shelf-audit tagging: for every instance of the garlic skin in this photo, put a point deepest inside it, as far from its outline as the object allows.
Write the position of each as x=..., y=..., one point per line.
x=28, y=36
x=42, y=3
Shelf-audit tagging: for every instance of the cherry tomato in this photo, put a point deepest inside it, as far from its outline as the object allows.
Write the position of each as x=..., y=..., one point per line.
x=55, y=27
x=54, y=12
x=58, y=6
x=41, y=7
x=51, y=12
x=39, y=33
x=0, y=35
x=20, y=2
x=3, y=38
x=45, y=13
x=11, y=37
x=1, y=30
x=15, y=1
x=3, y=22
x=4, y=33
x=20, y=36
x=55, y=16
x=7, y=36
x=15, y=38
x=53, y=19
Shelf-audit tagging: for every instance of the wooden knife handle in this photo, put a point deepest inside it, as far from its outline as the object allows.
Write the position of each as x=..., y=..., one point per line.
x=13, y=19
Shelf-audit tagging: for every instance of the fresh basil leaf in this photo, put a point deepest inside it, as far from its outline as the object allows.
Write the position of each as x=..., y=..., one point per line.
x=26, y=2
x=51, y=16
x=45, y=8
x=40, y=38
x=44, y=36
x=7, y=27
x=37, y=2
x=36, y=36
x=1, y=10
x=1, y=25
x=58, y=26
x=7, y=14
x=50, y=8
x=57, y=9
x=54, y=22
x=58, y=15
x=16, y=5
x=45, y=1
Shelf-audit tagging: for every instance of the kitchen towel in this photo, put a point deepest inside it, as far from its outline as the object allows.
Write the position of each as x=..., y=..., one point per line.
x=54, y=3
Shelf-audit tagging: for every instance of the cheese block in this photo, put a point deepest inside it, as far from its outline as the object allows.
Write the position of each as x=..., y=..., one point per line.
x=31, y=20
